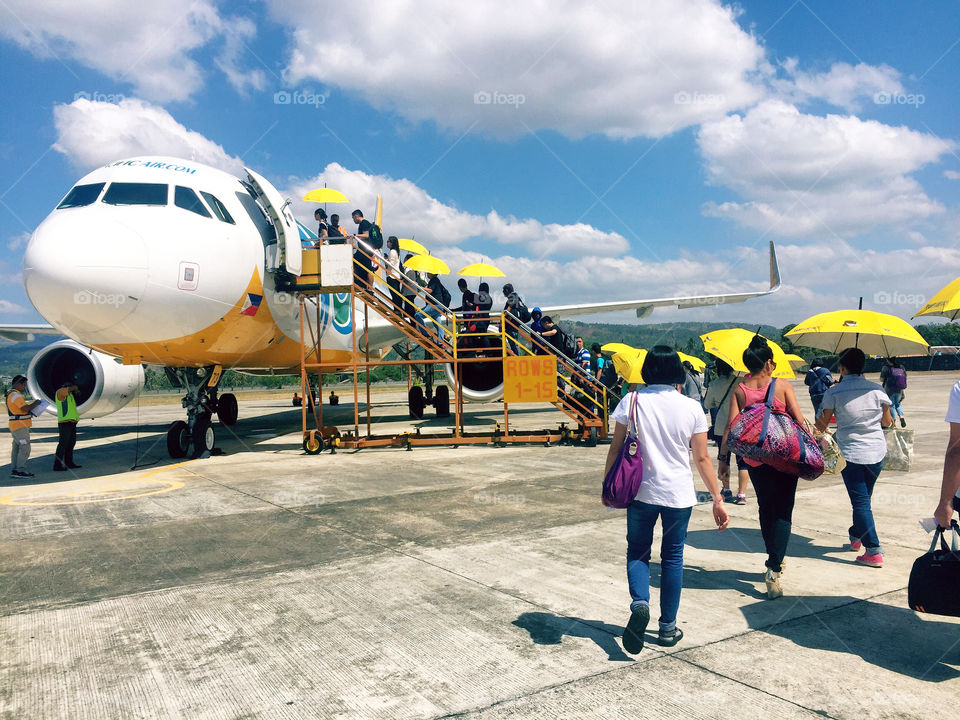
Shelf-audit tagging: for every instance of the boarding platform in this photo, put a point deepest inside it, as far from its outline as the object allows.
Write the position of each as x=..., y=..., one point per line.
x=477, y=351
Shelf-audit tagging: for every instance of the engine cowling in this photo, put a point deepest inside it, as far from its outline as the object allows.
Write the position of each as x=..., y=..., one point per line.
x=482, y=381
x=104, y=384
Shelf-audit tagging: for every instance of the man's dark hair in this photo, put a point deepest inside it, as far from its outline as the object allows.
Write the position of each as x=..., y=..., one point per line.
x=483, y=287
x=662, y=366
x=462, y=283
x=357, y=212
x=853, y=360
x=507, y=289
x=815, y=363
x=595, y=348
x=321, y=212
x=757, y=354
x=335, y=220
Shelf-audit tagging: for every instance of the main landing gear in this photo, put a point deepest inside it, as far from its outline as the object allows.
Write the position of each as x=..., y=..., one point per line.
x=196, y=435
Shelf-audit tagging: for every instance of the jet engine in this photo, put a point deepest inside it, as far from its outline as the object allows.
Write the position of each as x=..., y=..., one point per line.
x=104, y=384
x=482, y=381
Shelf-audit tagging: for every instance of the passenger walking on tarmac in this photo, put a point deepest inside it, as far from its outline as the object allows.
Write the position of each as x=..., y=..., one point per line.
x=668, y=425
x=320, y=215
x=335, y=234
x=950, y=484
x=894, y=380
x=67, y=419
x=19, y=421
x=692, y=383
x=776, y=491
x=363, y=254
x=410, y=287
x=394, y=272
x=438, y=301
x=862, y=410
x=719, y=396
x=818, y=379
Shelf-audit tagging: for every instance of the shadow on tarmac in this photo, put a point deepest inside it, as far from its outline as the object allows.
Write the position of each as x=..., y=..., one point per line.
x=549, y=629
x=893, y=638
x=750, y=540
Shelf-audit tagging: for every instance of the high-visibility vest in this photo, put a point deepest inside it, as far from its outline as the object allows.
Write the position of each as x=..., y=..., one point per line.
x=67, y=408
x=17, y=421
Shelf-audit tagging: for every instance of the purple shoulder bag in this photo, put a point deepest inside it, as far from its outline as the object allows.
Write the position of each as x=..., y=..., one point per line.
x=621, y=484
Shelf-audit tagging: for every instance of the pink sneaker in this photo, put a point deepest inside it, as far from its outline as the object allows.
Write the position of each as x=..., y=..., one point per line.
x=855, y=544
x=871, y=560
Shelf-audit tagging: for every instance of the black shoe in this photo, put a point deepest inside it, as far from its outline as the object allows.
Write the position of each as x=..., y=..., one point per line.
x=60, y=468
x=74, y=467
x=21, y=473
x=671, y=637
x=633, y=632
x=903, y=421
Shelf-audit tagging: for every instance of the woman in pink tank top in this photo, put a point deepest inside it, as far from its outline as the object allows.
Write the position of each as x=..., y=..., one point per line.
x=775, y=490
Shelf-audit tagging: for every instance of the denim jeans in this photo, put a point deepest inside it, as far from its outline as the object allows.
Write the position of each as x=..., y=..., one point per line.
x=776, y=492
x=816, y=400
x=641, y=519
x=860, y=480
x=433, y=312
x=895, y=399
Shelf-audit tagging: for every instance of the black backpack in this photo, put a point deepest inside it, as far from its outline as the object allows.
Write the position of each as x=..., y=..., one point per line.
x=375, y=236
x=523, y=314
x=444, y=297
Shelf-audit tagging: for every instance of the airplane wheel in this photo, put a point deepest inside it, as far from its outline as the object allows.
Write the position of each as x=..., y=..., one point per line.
x=441, y=401
x=592, y=438
x=204, y=437
x=227, y=409
x=313, y=444
x=178, y=439
x=416, y=403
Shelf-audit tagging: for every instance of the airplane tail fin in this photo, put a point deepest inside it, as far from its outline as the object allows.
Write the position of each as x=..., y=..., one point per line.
x=774, y=268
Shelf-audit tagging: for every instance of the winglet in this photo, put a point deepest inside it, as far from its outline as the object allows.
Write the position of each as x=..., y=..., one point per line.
x=774, y=269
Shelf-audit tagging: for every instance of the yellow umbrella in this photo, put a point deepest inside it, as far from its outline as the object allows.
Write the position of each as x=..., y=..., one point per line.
x=428, y=264
x=698, y=364
x=481, y=270
x=412, y=246
x=874, y=333
x=728, y=345
x=325, y=195
x=617, y=347
x=628, y=364
x=945, y=303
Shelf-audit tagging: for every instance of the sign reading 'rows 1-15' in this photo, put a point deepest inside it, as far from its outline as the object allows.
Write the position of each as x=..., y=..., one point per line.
x=531, y=378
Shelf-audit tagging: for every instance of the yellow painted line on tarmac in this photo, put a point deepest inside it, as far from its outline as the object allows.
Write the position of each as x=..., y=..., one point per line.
x=103, y=492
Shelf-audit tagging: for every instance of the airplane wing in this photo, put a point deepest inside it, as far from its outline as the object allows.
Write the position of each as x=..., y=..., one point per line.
x=26, y=332
x=643, y=308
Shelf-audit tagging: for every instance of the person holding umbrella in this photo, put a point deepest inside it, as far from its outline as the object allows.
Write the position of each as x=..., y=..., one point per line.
x=775, y=490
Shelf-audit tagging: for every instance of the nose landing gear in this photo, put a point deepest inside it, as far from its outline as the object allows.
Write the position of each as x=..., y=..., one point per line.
x=196, y=436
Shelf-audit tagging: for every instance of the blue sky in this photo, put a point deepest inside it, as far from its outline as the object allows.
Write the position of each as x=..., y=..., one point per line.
x=629, y=150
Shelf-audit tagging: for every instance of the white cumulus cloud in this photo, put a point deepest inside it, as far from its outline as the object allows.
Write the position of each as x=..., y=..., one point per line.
x=504, y=68
x=800, y=174
x=843, y=85
x=91, y=134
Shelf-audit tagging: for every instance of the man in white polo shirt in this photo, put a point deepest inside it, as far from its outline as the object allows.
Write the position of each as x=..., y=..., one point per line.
x=950, y=487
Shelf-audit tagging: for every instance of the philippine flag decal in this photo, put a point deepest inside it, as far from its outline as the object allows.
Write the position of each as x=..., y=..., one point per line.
x=251, y=304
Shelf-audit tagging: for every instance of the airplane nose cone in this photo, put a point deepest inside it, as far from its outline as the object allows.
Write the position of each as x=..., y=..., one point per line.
x=84, y=271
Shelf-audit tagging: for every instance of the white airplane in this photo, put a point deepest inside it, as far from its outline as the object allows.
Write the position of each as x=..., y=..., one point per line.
x=168, y=262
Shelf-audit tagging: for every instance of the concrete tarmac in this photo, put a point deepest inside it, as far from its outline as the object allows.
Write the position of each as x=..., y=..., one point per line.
x=471, y=582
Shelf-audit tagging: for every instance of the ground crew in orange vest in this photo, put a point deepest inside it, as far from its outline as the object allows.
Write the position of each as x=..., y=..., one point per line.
x=67, y=419
x=20, y=422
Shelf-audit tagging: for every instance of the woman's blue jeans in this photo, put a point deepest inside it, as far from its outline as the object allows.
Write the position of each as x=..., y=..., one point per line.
x=860, y=480
x=641, y=519
x=895, y=399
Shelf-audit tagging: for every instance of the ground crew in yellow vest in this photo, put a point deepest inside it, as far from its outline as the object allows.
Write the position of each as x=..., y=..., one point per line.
x=20, y=421
x=67, y=419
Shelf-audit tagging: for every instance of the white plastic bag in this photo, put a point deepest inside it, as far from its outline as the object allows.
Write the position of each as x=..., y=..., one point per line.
x=899, y=449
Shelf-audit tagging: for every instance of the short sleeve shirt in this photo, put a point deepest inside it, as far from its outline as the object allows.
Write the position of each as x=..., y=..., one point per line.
x=858, y=405
x=667, y=421
x=953, y=409
x=17, y=405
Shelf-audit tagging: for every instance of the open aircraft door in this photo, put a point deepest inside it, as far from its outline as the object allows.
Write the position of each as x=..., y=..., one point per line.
x=288, y=235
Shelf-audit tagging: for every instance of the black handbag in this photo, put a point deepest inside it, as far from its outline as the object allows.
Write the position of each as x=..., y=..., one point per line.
x=935, y=578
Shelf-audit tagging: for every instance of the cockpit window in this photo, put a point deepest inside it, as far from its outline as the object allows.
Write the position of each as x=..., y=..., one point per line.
x=125, y=193
x=184, y=197
x=81, y=195
x=218, y=209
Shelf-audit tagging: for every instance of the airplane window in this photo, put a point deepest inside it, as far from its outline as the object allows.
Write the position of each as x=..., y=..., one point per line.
x=81, y=195
x=125, y=193
x=267, y=233
x=184, y=197
x=218, y=209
